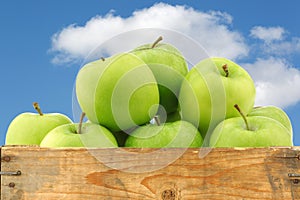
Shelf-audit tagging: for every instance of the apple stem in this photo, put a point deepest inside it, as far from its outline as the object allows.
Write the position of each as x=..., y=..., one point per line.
x=37, y=108
x=80, y=122
x=243, y=116
x=102, y=58
x=225, y=68
x=157, y=121
x=157, y=41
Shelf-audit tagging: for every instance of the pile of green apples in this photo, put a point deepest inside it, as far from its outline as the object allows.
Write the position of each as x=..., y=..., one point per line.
x=148, y=97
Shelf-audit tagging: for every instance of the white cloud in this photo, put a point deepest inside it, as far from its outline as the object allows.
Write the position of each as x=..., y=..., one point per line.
x=283, y=47
x=267, y=34
x=274, y=41
x=209, y=29
x=277, y=83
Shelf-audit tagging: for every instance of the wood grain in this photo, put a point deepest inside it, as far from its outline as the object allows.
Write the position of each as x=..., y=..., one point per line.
x=168, y=174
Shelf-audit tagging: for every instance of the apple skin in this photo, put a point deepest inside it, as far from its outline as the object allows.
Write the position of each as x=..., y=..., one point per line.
x=92, y=135
x=171, y=134
x=273, y=112
x=168, y=117
x=110, y=92
x=30, y=128
x=264, y=132
x=169, y=68
x=207, y=96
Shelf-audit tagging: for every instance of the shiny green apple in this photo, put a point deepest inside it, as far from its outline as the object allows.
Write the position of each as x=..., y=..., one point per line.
x=273, y=112
x=169, y=68
x=264, y=132
x=79, y=135
x=30, y=128
x=250, y=131
x=118, y=92
x=210, y=90
x=170, y=134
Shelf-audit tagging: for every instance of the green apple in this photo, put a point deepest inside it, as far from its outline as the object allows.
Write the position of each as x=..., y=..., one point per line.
x=79, y=135
x=169, y=68
x=274, y=113
x=171, y=134
x=251, y=131
x=118, y=92
x=210, y=90
x=30, y=128
x=167, y=117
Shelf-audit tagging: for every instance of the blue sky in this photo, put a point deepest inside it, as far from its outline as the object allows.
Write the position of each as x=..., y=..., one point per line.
x=39, y=60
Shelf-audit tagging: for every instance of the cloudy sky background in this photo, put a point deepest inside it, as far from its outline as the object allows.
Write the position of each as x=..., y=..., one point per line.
x=274, y=75
x=256, y=35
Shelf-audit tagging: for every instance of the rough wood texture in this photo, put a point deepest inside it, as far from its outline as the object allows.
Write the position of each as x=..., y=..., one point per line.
x=224, y=173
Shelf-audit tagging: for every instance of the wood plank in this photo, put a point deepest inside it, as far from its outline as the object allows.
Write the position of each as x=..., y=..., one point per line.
x=168, y=174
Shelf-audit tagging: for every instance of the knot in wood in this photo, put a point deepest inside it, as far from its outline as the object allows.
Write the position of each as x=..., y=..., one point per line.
x=6, y=158
x=11, y=185
x=169, y=194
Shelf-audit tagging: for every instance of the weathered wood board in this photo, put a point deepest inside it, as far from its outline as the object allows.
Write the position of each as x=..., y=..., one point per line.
x=172, y=174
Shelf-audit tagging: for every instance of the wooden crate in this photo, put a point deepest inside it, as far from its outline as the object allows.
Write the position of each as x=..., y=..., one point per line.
x=167, y=174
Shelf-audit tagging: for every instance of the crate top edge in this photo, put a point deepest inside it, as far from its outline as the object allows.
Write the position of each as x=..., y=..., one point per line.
x=297, y=148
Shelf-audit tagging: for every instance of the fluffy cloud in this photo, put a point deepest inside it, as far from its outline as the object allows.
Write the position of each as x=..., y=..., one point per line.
x=277, y=82
x=267, y=34
x=274, y=41
x=209, y=29
x=197, y=34
x=283, y=48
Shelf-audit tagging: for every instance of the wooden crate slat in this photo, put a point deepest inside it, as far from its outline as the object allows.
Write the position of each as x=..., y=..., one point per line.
x=120, y=173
